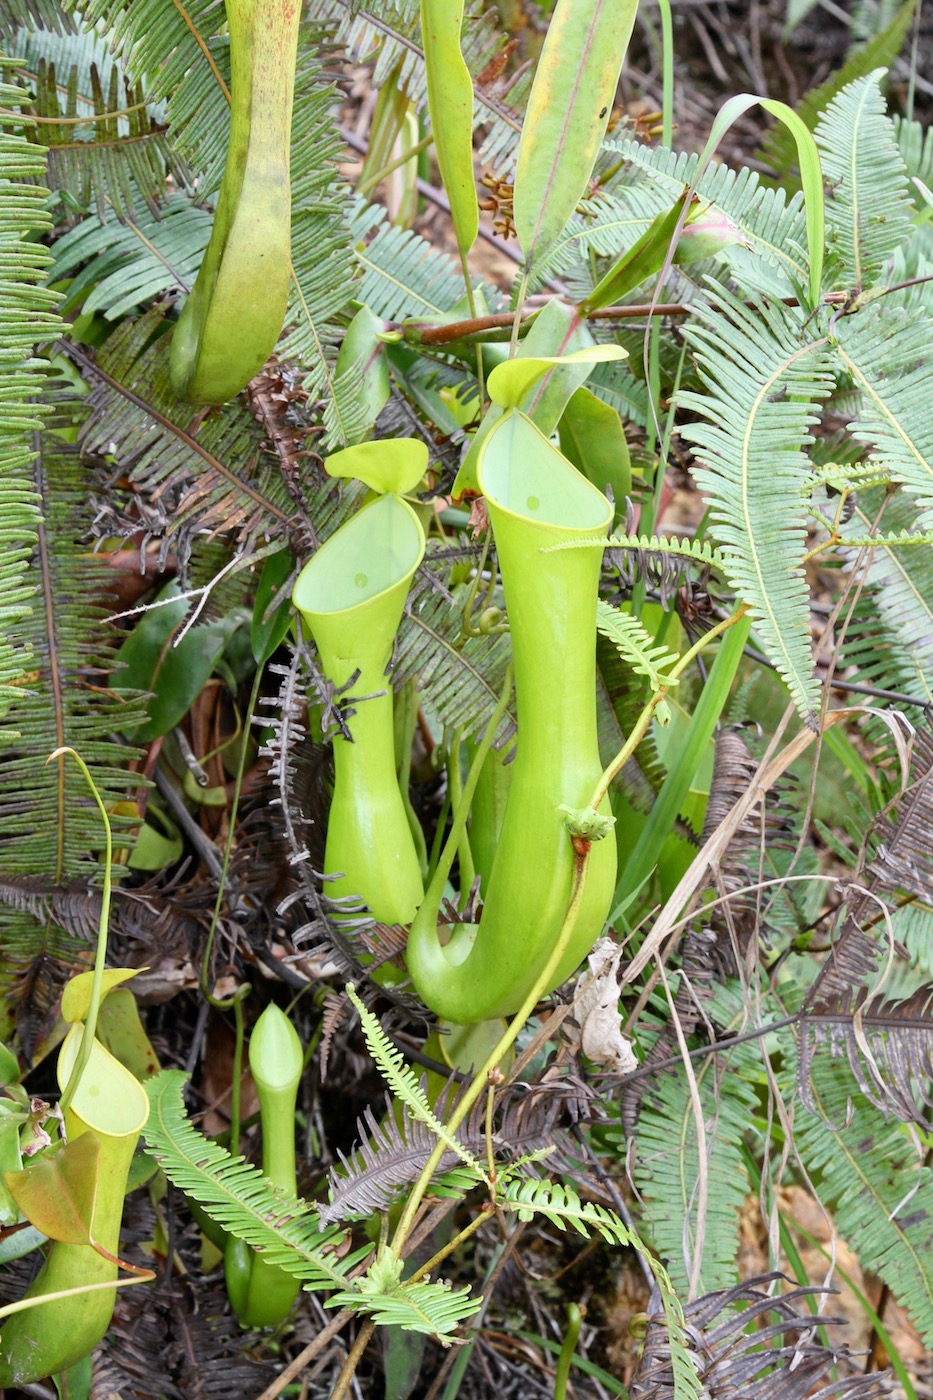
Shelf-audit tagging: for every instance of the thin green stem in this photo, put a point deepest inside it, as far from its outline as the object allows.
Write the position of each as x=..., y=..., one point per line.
x=455, y=787
x=365, y=186
x=484, y=1214
x=100, y=957
x=481, y=1079
x=565, y=1360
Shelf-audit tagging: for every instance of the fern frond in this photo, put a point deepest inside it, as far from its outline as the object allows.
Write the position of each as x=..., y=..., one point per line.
x=766, y=219
x=560, y=1203
x=751, y=1342
x=25, y=304
x=323, y=261
x=887, y=1043
x=868, y=209
x=668, y=1168
x=915, y=143
x=112, y=161
x=48, y=827
x=125, y=264
x=402, y=275
x=887, y=353
x=159, y=46
x=189, y=475
x=283, y=1229
x=388, y=1157
x=404, y=1084
x=876, y=1185
x=436, y=1309
x=460, y=679
x=700, y=551
x=635, y=645
x=764, y=380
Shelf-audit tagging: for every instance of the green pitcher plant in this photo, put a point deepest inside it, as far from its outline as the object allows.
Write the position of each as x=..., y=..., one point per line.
x=262, y=1294
x=351, y=596
x=234, y=315
x=535, y=499
x=110, y=1106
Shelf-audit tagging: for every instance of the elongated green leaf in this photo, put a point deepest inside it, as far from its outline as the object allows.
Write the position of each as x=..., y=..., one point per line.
x=567, y=115
x=450, y=102
x=811, y=174
x=642, y=261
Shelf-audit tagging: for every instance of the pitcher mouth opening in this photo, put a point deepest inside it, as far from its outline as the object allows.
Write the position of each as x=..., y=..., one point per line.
x=524, y=475
x=370, y=554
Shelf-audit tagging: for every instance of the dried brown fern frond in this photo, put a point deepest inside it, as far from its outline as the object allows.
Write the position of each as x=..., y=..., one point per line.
x=746, y=1343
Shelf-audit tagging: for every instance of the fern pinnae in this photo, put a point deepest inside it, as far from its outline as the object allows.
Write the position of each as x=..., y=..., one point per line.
x=402, y=1081
x=635, y=645
x=887, y=353
x=868, y=211
x=763, y=381
x=286, y=1231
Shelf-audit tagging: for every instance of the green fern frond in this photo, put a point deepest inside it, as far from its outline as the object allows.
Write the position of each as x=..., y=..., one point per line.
x=25, y=304
x=890, y=639
x=701, y=551
x=346, y=410
x=873, y=1179
x=159, y=46
x=868, y=209
x=779, y=149
x=436, y=1309
x=667, y=1169
x=323, y=259
x=460, y=679
x=763, y=381
x=402, y=275
x=560, y=1203
x=904, y=540
x=404, y=1084
x=887, y=354
x=915, y=143
x=283, y=1229
x=124, y=265
x=49, y=829
x=107, y=161
x=635, y=645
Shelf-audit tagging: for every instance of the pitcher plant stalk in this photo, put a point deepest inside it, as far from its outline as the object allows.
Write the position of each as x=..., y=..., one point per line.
x=234, y=314
x=535, y=499
x=351, y=595
x=262, y=1294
